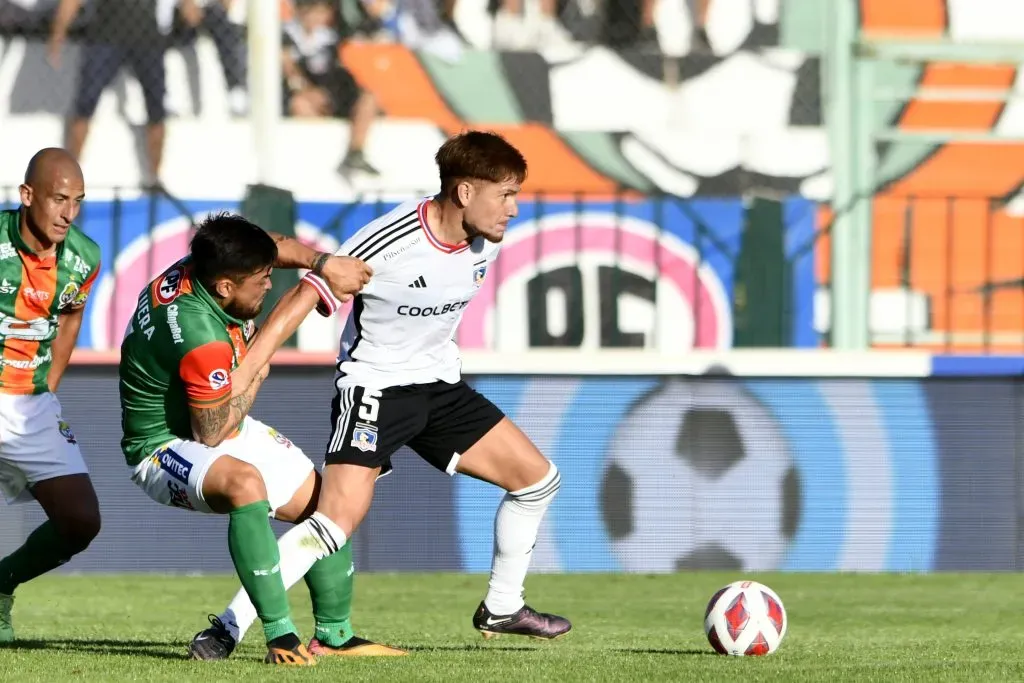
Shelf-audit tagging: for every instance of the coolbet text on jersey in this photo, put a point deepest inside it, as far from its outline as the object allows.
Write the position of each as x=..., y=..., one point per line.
x=403, y=323
x=33, y=292
x=179, y=350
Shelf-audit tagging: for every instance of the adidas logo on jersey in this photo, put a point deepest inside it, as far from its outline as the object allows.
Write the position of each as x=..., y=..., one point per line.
x=418, y=282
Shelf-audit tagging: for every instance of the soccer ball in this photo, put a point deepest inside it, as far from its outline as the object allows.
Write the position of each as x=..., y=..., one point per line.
x=745, y=618
x=699, y=475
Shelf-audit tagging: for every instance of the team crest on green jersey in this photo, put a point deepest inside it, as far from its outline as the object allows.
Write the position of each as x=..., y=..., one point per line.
x=68, y=295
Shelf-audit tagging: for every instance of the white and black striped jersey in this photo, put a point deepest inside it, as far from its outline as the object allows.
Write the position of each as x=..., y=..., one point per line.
x=402, y=326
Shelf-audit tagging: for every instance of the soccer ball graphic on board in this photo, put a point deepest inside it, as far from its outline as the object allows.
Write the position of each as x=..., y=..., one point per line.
x=699, y=475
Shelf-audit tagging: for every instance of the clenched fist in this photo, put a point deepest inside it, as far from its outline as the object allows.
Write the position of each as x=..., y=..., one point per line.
x=345, y=275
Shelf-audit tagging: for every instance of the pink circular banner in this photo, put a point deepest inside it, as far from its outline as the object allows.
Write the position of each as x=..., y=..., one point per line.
x=594, y=233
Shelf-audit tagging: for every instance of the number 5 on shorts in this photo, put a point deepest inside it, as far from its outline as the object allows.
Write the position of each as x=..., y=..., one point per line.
x=364, y=434
x=370, y=405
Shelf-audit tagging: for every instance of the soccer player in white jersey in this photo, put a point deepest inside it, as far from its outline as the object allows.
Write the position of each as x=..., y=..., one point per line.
x=399, y=380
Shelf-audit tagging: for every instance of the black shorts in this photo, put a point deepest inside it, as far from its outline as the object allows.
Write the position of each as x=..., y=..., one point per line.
x=439, y=421
x=100, y=63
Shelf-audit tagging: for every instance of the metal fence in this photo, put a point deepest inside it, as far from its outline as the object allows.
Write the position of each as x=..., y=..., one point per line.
x=629, y=271
x=657, y=272
x=951, y=269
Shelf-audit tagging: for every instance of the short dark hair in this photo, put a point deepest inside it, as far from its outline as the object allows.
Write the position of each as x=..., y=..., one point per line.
x=479, y=155
x=227, y=245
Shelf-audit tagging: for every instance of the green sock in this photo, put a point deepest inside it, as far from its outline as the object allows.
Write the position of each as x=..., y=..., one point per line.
x=330, y=583
x=42, y=551
x=253, y=548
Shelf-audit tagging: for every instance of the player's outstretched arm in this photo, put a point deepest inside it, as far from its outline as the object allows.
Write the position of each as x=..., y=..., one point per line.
x=68, y=326
x=292, y=253
x=344, y=275
x=289, y=312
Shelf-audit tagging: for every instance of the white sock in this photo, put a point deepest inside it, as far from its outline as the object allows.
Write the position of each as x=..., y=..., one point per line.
x=300, y=547
x=515, y=533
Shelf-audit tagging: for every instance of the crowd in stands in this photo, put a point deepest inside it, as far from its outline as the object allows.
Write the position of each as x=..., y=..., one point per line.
x=134, y=34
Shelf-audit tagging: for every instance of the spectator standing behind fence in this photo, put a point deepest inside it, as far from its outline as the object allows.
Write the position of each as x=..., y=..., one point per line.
x=221, y=20
x=514, y=31
x=120, y=32
x=698, y=20
x=317, y=84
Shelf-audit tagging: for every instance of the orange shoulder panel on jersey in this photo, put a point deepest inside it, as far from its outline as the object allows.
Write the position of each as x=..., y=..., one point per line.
x=206, y=373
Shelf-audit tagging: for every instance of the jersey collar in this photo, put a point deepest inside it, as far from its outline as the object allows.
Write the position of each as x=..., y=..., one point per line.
x=201, y=292
x=421, y=213
x=14, y=235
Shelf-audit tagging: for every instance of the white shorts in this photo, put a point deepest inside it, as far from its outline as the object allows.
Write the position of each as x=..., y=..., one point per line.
x=36, y=444
x=174, y=474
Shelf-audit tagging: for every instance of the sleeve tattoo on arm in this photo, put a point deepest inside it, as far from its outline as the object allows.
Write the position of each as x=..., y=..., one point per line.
x=211, y=422
x=318, y=263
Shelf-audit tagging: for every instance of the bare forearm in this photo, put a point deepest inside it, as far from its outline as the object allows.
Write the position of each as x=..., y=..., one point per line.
x=65, y=14
x=211, y=426
x=292, y=253
x=240, y=405
x=63, y=346
x=282, y=323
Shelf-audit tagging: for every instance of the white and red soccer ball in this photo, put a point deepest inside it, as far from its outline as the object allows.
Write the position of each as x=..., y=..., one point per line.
x=745, y=618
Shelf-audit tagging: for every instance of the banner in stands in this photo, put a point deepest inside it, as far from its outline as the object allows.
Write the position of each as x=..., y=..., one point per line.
x=653, y=273
x=659, y=474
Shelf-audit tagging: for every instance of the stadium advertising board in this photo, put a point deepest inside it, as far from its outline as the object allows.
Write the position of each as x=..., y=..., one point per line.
x=659, y=473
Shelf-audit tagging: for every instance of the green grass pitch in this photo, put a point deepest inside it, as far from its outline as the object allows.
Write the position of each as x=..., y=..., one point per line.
x=938, y=627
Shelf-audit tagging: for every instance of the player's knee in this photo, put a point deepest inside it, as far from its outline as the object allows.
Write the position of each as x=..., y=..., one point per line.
x=541, y=493
x=78, y=530
x=345, y=514
x=346, y=494
x=243, y=486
